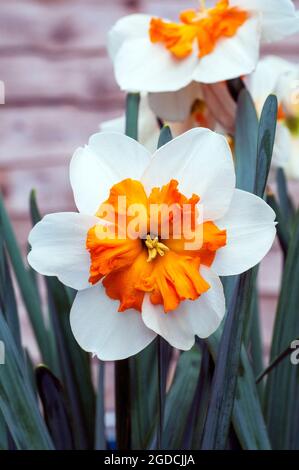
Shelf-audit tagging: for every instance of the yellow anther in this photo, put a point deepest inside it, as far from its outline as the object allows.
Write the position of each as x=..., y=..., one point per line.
x=155, y=248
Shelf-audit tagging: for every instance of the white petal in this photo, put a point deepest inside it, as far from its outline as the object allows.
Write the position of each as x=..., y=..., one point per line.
x=207, y=312
x=143, y=66
x=282, y=146
x=176, y=105
x=107, y=159
x=232, y=57
x=201, y=317
x=278, y=17
x=292, y=169
x=58, y=247
x=201, y=161
x=264, y=80
x=128, y=27
x=100, y=329
x=173, y=326
x=250, y=234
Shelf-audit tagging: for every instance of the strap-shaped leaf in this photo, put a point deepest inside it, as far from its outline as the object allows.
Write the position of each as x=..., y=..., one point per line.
x=100, y=438
x=227, y=366
x=26, y=285
x=286, y=204
x=55, y=411
x=282, y=389
x=17, y=402
x=247, y=415
x=180, y=398
x=266, y=137
x=246, y=142
x=7, y=297
x=132, y=111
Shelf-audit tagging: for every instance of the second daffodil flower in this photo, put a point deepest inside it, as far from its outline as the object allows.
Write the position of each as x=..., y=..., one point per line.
x=217, y=41
x=135, y=281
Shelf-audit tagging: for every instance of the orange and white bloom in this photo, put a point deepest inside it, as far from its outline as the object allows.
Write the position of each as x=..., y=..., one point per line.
x=278, y=76
x=217, y=41
x=148, y=126
x=132, y=288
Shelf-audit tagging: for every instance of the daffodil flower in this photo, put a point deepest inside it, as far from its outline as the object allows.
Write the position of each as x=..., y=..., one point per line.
x=180, y=120
x=207, y=45
x=278, y=76
x=132, y=288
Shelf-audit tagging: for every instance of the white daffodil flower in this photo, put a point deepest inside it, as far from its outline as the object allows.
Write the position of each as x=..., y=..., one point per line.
x=135, y=279
x=148, y=126
x=278, y=76
x=207, y=45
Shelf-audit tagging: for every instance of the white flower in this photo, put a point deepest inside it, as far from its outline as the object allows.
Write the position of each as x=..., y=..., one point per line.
x=208, y=45
x=126, y=285
x=274, y=75
x=173, y=112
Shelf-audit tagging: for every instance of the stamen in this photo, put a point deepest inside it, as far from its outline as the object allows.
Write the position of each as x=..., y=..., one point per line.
x=155, y=248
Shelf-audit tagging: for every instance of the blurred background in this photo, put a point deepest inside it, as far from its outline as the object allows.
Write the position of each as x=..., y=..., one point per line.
x=59, y=87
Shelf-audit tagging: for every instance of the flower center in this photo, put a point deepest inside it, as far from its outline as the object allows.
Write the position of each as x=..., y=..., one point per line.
x=165, y=263
x=155, y=248
x=206, y=26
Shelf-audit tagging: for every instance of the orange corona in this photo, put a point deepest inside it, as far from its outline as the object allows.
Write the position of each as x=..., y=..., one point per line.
x=206, y=26
x=164, y=268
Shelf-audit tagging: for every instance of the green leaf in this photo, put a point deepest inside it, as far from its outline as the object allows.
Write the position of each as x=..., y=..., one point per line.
x=7, y=297
x=132, y=111
x=3, y=432
x=180, y=398
x=17, y=402
x=247, y=415
x=144, y=383
x=246, y=142
x=282, y=228
x=286, y=204
x=226, y=368
x=165, y=136
x=282, y=388
x=198, y=412
x=100, y=438
x=266, y=137
x=164, y=353
x=122, y=404
x=26, y=285
x=256, y=346
x=52, y=397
